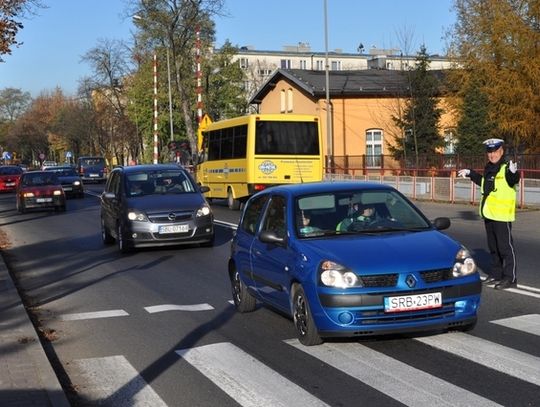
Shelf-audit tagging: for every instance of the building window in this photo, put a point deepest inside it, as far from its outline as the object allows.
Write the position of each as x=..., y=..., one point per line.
x=265, y=72
x=374, y=147
x=336, y=66
x=285, y=64
x=244, y=63
x=303, y=64
x=289, y=100
x=282, y=101
x=319, y=65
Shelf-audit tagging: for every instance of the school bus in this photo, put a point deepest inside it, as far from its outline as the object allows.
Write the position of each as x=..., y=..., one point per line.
x=241, y=156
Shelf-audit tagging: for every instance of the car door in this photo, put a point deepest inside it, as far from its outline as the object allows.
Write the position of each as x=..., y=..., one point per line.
x=244, y=237
x=110, y=202
x=271, y=262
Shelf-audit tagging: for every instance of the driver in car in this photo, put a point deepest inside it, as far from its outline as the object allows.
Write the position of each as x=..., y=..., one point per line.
x=360, y=215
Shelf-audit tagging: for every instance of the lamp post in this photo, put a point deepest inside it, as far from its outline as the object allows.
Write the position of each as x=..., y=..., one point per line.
x=329, y=136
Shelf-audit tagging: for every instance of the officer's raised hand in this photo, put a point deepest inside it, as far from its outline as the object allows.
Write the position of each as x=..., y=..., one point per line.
x=464, y=173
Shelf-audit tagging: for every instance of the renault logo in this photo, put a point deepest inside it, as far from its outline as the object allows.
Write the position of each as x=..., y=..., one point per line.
x=410, y=280
x=172, y=216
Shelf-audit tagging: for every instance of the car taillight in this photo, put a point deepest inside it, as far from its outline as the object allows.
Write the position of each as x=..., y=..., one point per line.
x=259, y=187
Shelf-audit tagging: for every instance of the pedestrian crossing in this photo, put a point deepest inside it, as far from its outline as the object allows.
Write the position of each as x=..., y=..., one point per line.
x=252, y=382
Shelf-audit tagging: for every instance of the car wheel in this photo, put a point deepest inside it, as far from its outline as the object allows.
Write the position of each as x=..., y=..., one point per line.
x=303, y=320
x=20, y=207
x=233, y=204
x=105, y=235
x=243, y=300
x=123, y=245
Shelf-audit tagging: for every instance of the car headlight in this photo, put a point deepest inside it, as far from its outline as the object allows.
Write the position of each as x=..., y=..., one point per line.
x=335, y=275
x=77, y=183
x=57, y=192
x=137, y=216
x=464, y=264
x=203, y=211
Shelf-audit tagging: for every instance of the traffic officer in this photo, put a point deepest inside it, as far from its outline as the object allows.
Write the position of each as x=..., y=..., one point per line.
x=498, y=209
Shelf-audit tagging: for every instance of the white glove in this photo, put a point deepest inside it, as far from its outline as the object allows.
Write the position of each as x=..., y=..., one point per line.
x=512, y=166
x=464, y=173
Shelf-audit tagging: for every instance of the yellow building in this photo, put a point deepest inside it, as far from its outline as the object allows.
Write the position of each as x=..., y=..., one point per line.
x=362, y=102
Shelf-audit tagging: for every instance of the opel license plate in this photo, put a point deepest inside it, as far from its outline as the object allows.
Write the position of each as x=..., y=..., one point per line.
x=412, y=302
x=42, y=200
x=174, y=229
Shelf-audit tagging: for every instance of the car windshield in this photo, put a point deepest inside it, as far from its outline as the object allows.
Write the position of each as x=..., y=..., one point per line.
x=158, y=182
x=356, y=212
x=39, y=179
x=64, y=172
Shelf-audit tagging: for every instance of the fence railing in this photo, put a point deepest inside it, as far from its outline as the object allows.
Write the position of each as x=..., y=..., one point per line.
x=425, y=185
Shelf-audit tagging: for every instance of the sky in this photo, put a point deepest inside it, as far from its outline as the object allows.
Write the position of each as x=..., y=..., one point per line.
x=55, y=39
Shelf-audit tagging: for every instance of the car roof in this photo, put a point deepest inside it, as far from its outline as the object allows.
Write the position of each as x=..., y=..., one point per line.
x=329, y=186
x=150, y=167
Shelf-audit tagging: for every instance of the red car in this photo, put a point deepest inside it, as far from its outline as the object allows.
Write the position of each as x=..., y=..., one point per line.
x=9, y=177
x=40, y=190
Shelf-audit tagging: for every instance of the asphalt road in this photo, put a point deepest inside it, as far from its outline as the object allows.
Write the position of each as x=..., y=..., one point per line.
x=157, y=326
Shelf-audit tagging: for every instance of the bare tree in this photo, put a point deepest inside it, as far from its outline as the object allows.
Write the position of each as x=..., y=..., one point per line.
x=10, y=13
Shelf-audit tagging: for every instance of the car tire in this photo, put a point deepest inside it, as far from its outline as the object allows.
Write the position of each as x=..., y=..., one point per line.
x=233, y=204
x=243, y=300
x=303, y=320
x=123, y=245
x=20, y=207
x=105, y=235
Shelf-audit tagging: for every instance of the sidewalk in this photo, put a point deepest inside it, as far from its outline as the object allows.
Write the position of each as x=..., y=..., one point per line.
x=26, y=376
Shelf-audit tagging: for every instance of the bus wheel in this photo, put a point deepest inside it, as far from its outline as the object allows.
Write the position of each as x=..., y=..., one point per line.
x=233, y=204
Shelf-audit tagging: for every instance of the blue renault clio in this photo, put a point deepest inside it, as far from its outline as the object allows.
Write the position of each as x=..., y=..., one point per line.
x=349, y=259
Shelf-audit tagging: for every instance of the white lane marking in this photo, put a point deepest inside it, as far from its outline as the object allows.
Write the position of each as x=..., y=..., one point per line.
x=404, y=383
x=498, y=357
x=528, y=287
x=522, y=292
x=94, y=315
x=248, y=381
x=172, y=307
x=527, y=323
x=113, y=381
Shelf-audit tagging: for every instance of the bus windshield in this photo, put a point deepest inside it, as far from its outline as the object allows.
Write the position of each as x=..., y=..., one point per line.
x=286, y=138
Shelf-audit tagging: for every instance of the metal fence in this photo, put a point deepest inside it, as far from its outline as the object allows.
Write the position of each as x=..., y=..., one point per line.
x=448, y=188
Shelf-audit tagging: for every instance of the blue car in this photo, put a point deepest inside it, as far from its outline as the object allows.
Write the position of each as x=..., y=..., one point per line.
x=351, y=259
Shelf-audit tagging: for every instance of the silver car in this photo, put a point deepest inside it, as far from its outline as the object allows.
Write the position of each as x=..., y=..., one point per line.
x=154, y=205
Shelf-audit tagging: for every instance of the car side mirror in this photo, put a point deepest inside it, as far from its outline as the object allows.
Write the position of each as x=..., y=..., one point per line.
x=269, y=236
x=108, y=195
x=441, y=223
x=204, y=188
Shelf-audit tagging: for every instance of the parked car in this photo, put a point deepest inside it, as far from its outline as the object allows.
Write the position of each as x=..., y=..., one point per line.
x=40, y=190
x=351, y=259
x=154, y=205
x=9, y=177
x=71, y=181
x=92, y=168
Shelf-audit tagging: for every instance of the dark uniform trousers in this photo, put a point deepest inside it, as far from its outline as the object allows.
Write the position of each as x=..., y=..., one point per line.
x=501, y=248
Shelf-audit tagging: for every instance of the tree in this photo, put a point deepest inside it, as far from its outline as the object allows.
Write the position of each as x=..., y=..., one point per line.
x=173, y=25
x=225, y=96
x=10, y=10
x=419, y=122
x=13, y=102
x=474, y=125
x=497, y=40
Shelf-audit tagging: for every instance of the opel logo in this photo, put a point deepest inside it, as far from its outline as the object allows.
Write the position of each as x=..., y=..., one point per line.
x=172, y=217
x=410, y=280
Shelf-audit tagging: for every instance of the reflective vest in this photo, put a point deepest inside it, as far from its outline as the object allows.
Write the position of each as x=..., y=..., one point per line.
x=500, y=204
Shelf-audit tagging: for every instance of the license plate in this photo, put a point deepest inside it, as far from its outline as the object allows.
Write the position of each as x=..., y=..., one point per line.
x=174, y=229
x=412, y=302
x=68, y=188
x=94, y=175
x=10, y=184
x=42, y=200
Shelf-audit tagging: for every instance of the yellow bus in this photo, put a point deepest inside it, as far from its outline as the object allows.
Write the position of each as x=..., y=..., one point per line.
x=241, y=156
